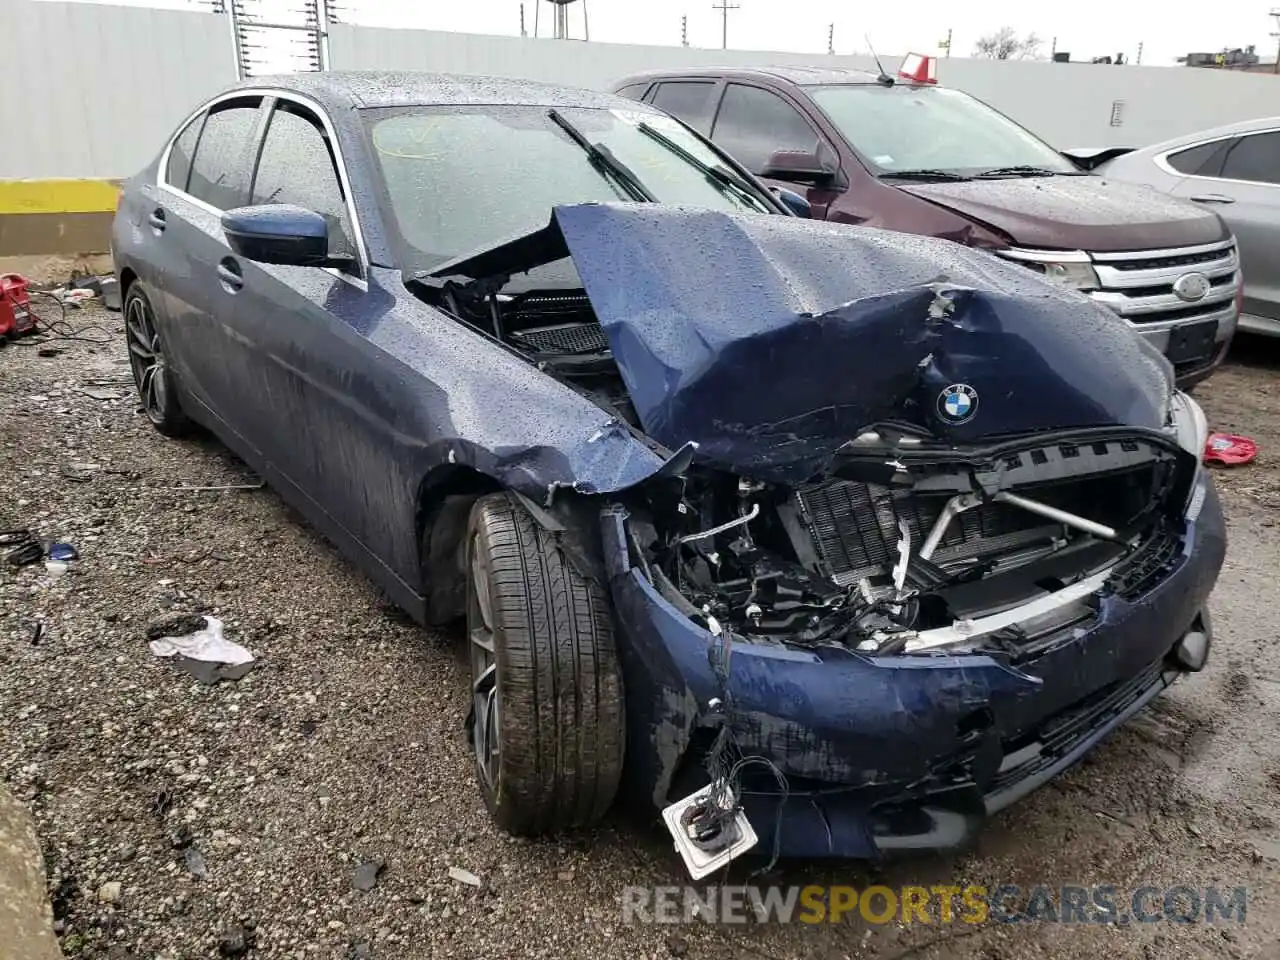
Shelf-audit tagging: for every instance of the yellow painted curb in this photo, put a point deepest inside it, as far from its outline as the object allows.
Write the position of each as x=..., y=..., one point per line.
x=58, y=196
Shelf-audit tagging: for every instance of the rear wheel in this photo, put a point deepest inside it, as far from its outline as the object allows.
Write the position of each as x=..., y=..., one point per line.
x=547, y=707
x=152, y=374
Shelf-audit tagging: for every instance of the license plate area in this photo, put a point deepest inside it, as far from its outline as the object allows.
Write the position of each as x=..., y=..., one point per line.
x=1192, y=342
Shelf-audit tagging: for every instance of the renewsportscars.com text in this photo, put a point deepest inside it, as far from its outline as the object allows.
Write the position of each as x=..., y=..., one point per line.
x=1007, y=903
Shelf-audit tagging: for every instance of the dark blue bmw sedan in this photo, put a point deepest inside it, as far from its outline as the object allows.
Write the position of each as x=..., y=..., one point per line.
x=821, y=539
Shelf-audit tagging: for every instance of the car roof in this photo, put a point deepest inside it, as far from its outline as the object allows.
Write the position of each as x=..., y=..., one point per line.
x=1215, y=133
x=800, y=76
x=339, y=90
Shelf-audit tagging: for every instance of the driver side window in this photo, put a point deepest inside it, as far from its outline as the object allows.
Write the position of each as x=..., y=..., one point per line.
x=297, y=166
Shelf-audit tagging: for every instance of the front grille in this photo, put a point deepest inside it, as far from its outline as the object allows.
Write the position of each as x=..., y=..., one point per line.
x=1138, y=284
x=855, y=526
x=1153, y=564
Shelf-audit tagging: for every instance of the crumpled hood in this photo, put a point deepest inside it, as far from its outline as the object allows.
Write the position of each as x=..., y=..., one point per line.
x=772, y=341
x=1077, y=212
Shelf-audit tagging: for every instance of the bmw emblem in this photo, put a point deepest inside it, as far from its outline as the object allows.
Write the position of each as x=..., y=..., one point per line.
x=958, y=403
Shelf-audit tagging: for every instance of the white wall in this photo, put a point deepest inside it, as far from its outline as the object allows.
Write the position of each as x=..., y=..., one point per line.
x=1069, y=104
x=89, y=90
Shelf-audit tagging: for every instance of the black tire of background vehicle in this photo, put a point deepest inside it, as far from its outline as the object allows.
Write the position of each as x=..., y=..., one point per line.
x=560, y=710
x=152, y=375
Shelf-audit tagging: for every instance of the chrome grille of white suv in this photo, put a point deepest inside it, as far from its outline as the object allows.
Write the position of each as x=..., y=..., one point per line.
x=1138, y=284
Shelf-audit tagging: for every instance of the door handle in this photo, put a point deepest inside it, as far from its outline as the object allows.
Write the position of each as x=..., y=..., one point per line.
x=1213, y=198
x=156, y=219
x=229, y=274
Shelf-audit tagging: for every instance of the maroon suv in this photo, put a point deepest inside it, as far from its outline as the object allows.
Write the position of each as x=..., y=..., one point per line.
x=925, y=159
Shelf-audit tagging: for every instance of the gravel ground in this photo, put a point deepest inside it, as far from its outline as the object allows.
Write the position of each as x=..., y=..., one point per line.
x=182, y=820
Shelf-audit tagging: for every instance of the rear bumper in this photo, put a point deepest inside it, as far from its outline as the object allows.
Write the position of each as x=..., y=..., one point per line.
x=898, y=752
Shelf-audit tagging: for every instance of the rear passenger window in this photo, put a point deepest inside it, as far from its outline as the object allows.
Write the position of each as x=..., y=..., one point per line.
x=179, y=168
x=684, y=99
x=632, y=91
x=297, y=167
x=753, y=124
x=1255, y=157
x=1204, y=160
x=219, y=172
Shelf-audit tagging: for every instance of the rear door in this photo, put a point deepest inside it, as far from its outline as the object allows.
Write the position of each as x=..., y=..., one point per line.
x=752, y=123
x=1241, y=181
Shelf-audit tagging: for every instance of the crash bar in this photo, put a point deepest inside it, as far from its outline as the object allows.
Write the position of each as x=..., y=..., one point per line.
x=1062, y=516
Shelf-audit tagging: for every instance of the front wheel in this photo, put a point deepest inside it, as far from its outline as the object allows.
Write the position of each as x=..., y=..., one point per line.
x=547, y=721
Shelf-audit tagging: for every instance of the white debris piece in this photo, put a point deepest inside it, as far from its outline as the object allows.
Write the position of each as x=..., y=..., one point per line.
x=208, y=645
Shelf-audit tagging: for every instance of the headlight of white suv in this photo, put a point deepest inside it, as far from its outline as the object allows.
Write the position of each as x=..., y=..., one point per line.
x=1192, y=428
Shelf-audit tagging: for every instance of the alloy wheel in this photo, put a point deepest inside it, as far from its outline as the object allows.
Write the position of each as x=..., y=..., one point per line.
x=146, y=358
x=485, y=731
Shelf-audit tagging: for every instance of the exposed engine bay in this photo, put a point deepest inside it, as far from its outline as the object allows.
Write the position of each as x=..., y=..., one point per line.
x=927, y=556
x=909, y=545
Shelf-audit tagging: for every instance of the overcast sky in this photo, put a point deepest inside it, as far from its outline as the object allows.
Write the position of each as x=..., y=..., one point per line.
x=1085, y=28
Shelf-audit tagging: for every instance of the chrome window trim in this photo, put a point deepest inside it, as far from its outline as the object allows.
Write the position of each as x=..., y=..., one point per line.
x=1161, y=160
x=362, y=253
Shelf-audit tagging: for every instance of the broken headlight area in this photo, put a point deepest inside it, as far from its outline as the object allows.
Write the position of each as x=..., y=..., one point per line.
x=939, y=549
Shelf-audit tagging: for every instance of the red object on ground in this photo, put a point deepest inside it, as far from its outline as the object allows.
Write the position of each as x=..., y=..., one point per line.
x=1229, y=450
x=16, y=317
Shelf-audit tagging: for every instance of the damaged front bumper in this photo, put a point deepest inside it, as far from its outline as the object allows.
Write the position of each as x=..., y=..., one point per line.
x=909, y=751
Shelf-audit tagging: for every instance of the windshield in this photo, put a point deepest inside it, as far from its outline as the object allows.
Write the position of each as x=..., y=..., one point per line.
x=908, y=128
x=460, y=179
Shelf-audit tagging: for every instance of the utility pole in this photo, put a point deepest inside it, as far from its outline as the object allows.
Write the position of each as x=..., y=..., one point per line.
x=684, y=31
x=946, y=44
x=1275, y=14
x=1138, y=59
x=724, y=6
x=831, y=38
x=1053, y=49
x=523, y=31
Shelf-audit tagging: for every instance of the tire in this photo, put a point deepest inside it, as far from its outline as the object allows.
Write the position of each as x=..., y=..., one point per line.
x=550, y=687
x=152, y=375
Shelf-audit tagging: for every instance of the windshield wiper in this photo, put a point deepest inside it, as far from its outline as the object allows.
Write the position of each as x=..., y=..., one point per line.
x=923, y=175
x=1020, y=171
x=717, y=174
x=602, y=159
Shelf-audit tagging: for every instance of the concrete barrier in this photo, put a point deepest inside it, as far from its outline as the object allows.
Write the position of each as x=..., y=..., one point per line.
x=26, y=920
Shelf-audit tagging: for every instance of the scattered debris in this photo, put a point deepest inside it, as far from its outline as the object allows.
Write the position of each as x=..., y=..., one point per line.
x=56, y=568
x=235, y=941
x=110, y=892
x=48, y=352
x=194, y=860
x=1228, y=449
x=203, y=651
x=361, y=951
x=63, y=552
x=465, y=876
x=78, y=472
x=224, y=486
x=367, y=874
x=101, y=393
x=161, y=802
x=28, y=553
x=175, y=626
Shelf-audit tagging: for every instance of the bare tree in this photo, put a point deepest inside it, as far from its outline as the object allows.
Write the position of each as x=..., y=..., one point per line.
x=1005, y=44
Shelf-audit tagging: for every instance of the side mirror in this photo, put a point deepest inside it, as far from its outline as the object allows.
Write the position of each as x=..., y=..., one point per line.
x=793, y=201
x=797, y=166
x=281, y=234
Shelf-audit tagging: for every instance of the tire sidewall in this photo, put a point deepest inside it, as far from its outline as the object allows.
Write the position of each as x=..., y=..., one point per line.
x=172, y=421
